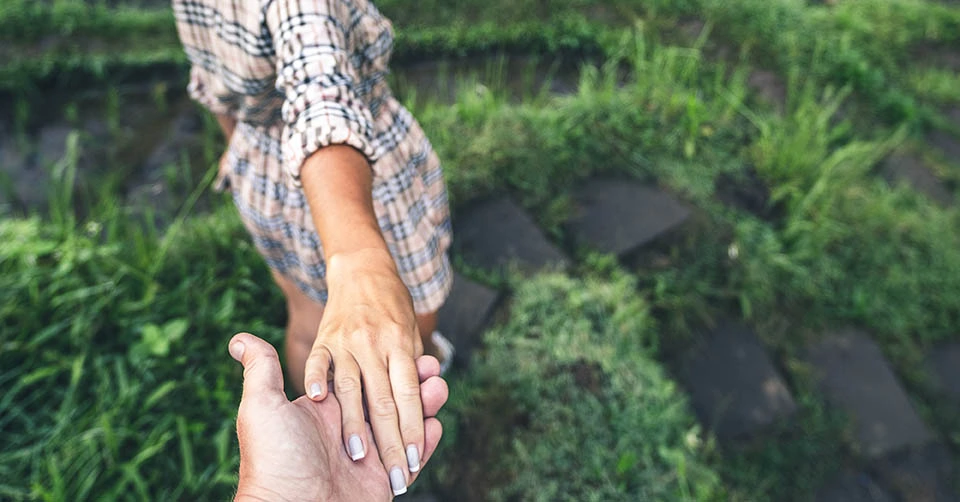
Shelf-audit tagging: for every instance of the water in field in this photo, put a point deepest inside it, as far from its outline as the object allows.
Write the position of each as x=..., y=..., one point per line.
x=146, y=145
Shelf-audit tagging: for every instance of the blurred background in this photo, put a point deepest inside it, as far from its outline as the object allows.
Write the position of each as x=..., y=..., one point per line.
x=706, y=250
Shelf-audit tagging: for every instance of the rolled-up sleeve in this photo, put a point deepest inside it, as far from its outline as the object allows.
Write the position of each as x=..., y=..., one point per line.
x=200, y=89
x=318, y=81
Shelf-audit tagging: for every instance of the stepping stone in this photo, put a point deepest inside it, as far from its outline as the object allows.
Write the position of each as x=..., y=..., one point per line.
x=621, y=216
x=856, y=378
x=770, y=87
x=910, y=169
x=944, y=364
x=465, y=314
x=734, y=387
x=496, y=234
x=853, y=487
x=920, y=474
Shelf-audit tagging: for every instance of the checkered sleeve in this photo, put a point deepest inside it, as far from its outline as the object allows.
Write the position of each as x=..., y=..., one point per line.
x=318, y=80
x=199, y=90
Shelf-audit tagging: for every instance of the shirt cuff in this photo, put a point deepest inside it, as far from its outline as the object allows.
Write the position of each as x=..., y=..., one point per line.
x=322, y=131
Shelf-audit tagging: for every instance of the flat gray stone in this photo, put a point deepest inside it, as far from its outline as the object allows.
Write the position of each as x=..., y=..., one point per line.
x=734, y=387
x=855, y=377
x=497, y=233
x=910, y=169
x=919, y=474
x=620, y=216
x=944, y=366
x=853, y=487
x=465, y=314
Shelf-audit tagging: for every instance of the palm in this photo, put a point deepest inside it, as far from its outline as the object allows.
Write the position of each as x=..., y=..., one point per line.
x=303, y=437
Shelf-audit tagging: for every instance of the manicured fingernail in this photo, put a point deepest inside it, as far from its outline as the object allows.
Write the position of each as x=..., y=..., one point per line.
x=236, y=350
x=314, y=390
x=356, y=447
x=413, y=458
x=397, y=481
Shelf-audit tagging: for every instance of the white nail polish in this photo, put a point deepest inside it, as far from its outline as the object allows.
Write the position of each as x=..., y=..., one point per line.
x=413, y=458
x=356, y=448
x=397, y=481
x=314, y=390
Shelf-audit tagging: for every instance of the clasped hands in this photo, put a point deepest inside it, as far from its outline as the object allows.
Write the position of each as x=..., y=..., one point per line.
x=294, y=450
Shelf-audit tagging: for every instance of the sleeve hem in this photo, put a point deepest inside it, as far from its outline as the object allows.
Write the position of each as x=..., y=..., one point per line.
x=301, y=145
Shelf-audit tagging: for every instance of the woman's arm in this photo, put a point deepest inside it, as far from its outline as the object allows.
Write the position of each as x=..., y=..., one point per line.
x=368, y=333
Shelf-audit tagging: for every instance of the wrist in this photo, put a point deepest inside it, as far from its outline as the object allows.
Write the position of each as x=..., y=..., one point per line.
x=367, y=259
x=281, y=491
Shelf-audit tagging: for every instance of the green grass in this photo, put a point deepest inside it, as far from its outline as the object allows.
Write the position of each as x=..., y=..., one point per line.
x=130, y=354
x=112, y=331
x=576, y=355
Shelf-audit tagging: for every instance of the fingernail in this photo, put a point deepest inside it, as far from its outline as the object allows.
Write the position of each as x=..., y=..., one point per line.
x=356, y=447
x=236, y=350
x=413, y=458
x=314, y=390
x=397, y=481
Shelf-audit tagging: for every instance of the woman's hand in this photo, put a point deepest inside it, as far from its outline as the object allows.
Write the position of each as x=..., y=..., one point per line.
x=369, y=339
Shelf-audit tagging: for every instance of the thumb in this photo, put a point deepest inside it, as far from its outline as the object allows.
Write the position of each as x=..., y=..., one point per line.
x=262, y=377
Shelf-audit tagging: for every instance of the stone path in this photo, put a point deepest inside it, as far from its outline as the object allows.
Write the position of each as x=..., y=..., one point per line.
x=855, y=377
x=853, y=487
x=465, y=315
x=621, y=216
x=944, y=364
x=734, y=386
x=497, y=234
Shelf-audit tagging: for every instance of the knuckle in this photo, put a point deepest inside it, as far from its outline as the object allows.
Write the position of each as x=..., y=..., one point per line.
x=268, y=359
x=319, y=354
x=392, y=451
x=363, y=334
x=411, y=434
x=407, y=393
x=346, y=384
x=383, y=407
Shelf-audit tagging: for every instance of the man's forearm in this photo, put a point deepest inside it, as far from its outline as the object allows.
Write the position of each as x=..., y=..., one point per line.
x=338, y=182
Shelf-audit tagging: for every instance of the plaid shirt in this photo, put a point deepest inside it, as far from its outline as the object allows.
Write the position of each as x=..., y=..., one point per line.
x=299, y=75
x=318, y=67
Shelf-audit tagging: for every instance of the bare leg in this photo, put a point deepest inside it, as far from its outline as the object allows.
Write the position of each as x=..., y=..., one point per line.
x=427, y=324
x=303, y=319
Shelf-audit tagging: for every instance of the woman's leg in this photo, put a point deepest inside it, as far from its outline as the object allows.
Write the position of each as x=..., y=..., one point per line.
x=427, y=323
x=303, y=319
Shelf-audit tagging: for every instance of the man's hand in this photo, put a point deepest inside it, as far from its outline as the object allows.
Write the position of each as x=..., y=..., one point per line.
x=293, y=450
